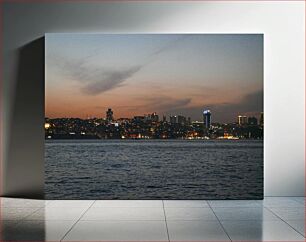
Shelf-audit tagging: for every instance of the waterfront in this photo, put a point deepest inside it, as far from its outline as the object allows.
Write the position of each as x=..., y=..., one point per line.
x=153, y=169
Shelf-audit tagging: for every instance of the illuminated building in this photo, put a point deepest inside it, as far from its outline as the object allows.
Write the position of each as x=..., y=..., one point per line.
x=207, y=118
x=147, y=127
x=47, y=125
x=242, y=120
x=109, y=115
x=173, y=119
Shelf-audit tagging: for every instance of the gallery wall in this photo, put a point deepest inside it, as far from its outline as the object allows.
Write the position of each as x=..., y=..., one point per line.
x=24, y=26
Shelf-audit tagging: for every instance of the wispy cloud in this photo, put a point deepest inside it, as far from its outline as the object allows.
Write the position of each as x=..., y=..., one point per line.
x=109, y=80
x=96, y=79
x=170, y=45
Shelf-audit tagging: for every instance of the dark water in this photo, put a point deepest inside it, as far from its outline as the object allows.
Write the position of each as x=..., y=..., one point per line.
x=153, y=169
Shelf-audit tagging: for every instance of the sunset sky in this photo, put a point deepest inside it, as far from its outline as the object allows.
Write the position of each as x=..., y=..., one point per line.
x=171, y=74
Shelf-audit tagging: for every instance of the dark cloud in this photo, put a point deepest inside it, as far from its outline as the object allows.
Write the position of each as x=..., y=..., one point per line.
x=109, y=80
x=75, y=69
x=100, y=80
x=96, y=80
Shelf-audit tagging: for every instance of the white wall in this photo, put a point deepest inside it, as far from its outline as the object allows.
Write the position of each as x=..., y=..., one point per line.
x=283, y=25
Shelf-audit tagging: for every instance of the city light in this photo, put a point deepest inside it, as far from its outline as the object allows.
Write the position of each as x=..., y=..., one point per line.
x=150, y=126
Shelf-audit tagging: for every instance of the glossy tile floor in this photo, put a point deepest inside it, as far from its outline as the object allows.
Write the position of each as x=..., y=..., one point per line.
x=273, y=219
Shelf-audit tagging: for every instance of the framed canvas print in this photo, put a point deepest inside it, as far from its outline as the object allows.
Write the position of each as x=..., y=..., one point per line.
x=154, y=116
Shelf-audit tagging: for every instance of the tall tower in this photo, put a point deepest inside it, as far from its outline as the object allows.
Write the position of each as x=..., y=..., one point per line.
x=207, y=118
x=109, y=115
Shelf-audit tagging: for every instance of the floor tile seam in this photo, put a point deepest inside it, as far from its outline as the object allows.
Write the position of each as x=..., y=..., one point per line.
x=73, y=225
x=249, y=219
x=240, y=207
x=165, y=217
x=287, y=223
x=187, y=207
x=71, y=206
x=220, y=223
x=288, y=207
x=270, y=209
x=123, y=220
x=36, y=210
x=203, y=220
x=152, y=220
x=49, y=220
x=126, y=207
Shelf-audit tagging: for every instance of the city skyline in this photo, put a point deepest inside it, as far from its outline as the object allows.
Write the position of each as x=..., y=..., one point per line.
x=152, y=126
x=161, y=116
x=176, y=74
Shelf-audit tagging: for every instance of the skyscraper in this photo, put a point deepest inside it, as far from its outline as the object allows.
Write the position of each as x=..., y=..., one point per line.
x=109, y=115
x=207, y=118
x=173, y=119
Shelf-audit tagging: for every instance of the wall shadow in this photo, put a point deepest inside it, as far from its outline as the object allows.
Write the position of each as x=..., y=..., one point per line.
x=28, y=230
x=24, y=170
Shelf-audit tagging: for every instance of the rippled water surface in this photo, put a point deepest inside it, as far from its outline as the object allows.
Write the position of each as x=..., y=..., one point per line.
x=153, y=169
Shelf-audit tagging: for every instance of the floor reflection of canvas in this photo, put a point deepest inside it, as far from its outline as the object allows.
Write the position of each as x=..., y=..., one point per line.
x=154, y=116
